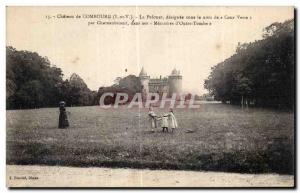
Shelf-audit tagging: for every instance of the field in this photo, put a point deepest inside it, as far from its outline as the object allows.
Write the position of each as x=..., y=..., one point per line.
x=222, y=138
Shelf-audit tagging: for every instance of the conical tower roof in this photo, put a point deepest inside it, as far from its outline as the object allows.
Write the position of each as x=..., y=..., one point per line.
x=174, y=72
x=143, y=72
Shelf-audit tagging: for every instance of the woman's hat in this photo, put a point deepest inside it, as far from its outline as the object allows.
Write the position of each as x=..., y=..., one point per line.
x=62, y=103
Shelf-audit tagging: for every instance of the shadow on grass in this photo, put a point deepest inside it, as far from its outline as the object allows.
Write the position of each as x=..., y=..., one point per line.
x=277, y=158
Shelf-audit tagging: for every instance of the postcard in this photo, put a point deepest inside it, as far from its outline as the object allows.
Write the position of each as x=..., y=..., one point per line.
x=150, y=96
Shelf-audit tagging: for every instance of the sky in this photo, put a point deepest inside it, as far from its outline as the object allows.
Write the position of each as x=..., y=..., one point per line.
x=100, y=53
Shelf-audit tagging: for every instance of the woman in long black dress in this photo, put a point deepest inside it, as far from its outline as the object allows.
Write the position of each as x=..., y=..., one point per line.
x=63, y=118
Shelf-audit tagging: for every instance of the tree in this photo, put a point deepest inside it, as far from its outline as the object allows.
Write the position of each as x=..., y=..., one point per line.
x=32, y=82
x=129, y=85
x=260, y=72
x=81, y=95
x=132, y=83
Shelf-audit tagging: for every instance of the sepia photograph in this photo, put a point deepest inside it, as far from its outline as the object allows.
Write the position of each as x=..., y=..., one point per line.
x=150, y=96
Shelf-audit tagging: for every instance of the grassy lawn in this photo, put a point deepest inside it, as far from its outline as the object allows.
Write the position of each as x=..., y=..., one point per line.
x=225, y=138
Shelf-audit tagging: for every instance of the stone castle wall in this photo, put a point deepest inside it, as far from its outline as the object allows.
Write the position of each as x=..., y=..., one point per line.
x=170, y=85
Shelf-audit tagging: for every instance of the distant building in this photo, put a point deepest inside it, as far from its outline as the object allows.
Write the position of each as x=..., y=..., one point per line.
x=171, y=84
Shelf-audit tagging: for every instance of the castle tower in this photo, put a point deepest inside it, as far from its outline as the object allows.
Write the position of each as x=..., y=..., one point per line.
x=145, y=81
x=175, y=83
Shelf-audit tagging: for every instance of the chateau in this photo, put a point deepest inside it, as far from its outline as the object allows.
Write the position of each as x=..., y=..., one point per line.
x=171, y=84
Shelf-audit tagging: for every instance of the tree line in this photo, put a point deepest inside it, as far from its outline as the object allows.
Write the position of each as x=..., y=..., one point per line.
x=33, y=82
x=260, y=73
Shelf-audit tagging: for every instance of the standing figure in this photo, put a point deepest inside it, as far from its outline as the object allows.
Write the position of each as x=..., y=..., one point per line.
x=63, y=118
x=152, y=119
x=165, y=122
x=172, y=120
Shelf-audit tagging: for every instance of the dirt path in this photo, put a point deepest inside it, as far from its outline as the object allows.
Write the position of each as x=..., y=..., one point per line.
x=54, y=176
